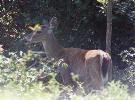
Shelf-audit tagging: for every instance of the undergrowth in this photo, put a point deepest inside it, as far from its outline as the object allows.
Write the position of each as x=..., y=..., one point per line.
x=24, y=78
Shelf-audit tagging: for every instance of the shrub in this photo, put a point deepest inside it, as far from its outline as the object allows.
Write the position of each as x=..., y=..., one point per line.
x=19, y=81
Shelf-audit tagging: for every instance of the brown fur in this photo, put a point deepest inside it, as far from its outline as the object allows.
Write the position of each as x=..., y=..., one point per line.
x=94, y=67
x=86, y=64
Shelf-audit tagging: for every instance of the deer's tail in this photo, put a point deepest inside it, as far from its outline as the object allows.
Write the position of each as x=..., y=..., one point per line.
x=106, y=67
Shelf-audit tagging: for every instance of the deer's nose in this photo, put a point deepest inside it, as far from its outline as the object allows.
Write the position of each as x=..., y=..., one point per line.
x=26, y=40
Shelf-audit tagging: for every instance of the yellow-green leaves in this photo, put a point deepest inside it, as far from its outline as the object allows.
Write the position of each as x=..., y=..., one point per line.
x=102, y=1
x=36, y=27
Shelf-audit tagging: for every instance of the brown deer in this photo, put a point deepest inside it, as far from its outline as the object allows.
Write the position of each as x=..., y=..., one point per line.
x=93, y=67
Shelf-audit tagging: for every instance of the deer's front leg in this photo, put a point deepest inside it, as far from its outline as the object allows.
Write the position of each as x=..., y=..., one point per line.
x=64, y=75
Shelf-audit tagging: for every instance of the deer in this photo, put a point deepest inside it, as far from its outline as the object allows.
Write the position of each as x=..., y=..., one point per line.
x=93, y=67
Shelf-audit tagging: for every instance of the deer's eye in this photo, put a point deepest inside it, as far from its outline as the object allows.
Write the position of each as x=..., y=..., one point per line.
x=38, y=32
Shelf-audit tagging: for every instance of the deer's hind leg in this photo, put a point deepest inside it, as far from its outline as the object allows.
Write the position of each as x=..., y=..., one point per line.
x=94, y=81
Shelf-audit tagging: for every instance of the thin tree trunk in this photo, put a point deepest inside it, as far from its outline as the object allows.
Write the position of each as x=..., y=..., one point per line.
x=109, y=26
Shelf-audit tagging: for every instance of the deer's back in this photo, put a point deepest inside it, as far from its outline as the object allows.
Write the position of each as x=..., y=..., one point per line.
x=80, y=61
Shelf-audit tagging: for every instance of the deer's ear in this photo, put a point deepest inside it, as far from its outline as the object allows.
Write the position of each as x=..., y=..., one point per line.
x=45, y=22
x=53, y=23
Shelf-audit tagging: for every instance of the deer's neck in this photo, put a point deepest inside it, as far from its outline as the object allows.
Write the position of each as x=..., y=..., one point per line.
x=52, y=47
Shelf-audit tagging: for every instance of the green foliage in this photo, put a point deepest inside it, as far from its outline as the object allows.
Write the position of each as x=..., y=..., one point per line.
x=102, y=1
x=85, y=23
x=18, y=81
x=23, y=81
x=83, y=20
x=115, y=91
x=128, y=56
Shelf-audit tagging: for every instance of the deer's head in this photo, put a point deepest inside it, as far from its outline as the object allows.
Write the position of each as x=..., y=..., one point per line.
x=41, y=32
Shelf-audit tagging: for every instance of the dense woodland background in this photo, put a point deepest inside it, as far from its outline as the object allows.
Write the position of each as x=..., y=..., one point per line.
x=82, y=24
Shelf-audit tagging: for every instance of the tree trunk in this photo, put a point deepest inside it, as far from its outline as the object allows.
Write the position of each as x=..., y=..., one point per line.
x=109, y=26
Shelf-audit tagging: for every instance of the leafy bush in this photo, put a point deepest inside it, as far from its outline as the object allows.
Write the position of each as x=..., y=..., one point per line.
x=127, y=75
x=20, y=80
